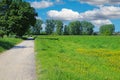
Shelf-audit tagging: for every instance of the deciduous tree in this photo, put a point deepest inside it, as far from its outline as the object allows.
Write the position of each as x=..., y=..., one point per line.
x=4, y=11
x=87, y=27
x=74, y=28
x=59, y=27
x=107, y=29
x=66, y=32
x=37, y=27
x=21, y=17
x=50, y=25
x=16, y=16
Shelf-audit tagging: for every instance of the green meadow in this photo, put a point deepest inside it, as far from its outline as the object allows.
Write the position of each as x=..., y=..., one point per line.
x=78, y=57
x=7, y=43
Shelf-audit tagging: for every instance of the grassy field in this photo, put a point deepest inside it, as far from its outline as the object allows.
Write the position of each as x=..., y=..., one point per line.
x=7, y=43
x=78, y=57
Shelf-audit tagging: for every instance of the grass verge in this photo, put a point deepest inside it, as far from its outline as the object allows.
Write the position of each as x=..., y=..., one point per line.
x=78, y=57
x=7, y=43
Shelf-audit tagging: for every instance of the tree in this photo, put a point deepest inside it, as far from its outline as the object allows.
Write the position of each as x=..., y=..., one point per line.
x=16, y=16
x=65, y=30
x=37, y=27
x=107, y=29
x=59, y=27
x=4, y=11
x=50, y=25
x=87, y=28
x=74, y=28
x=21, y=17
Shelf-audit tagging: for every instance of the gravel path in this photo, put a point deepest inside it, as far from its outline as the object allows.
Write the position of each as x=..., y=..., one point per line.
x=18, y=63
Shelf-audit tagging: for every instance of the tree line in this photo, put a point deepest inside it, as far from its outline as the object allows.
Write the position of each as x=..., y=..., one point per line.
x=16, y=17
x=73, y=28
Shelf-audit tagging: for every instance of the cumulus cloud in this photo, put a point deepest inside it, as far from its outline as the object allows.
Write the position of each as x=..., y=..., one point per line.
x=100, y=2
x=101, y=22
x=41, y=4
x=105, y=12
x=64, y=14
x=97, y=16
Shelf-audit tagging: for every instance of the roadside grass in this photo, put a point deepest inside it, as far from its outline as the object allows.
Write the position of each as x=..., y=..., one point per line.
x=7, y=43
x=78, y=57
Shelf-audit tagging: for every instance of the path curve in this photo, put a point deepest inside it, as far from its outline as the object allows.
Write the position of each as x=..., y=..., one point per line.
x=18, y=63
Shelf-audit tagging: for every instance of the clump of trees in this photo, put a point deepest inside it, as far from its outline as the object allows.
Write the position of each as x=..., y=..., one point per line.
x=50, y=26
x=65, y=32
x=37, y=27
x=16, y=17
x=87, y=28
x=73, y=28
x=76, y=28
x=59, y=27
x=54, y=26
x=107, y=29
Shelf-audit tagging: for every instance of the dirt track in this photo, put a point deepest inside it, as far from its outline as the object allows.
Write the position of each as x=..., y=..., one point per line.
x=18, y=63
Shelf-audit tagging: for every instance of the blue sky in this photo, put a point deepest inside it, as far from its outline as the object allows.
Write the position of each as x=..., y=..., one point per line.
x=98, y=12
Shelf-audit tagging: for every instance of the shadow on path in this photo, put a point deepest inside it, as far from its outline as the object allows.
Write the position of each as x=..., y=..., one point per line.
x=17, y=47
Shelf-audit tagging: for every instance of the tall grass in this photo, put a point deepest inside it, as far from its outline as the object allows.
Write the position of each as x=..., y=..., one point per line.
x=7, y=43
x=78, y=58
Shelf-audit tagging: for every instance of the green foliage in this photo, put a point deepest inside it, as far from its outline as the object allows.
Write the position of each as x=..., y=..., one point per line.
x=37, y=27
x=16, y=16
x=22, y=16
x=4, y=5
x=66, y=32
x=50, y=25
x=1, y=33
x=59, y=27
x=87, y=28
x=107, y=29
x=77, y=58
x=74, y=28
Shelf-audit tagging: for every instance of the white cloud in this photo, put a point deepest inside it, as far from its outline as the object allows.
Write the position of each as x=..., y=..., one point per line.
x=101, y=22
x=64, y=14
x=105, y=12
x=110, y=11
x=41, y=4
x=102, y=16
x=97, y=16
x=100, y=2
